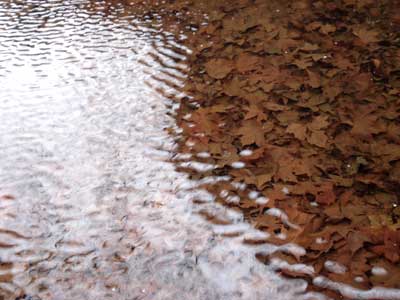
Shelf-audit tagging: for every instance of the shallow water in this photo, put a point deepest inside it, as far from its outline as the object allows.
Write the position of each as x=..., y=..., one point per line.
x=91, y=207
x=91, y=203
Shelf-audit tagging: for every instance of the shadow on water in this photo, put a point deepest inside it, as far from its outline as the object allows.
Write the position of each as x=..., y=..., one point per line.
x=105, y=192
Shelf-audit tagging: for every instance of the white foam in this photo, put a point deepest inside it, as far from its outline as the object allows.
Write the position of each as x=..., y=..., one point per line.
x=238, y=165
x=335, y=267
x=353, y=293
x=262, y=200
x=320, y=240
x=281, y=236
x=203, y=155
x=276, y=212
x=253, y=195
x=298, y=268
x=197, y=166
x=358, y=279
x=256, y=235
x=235, y=199
x=239, y=185
x=246, y=152
x=231, y=229
x=379, y=271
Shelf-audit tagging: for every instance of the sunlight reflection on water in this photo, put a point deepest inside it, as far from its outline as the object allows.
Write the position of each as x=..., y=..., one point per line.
x=95, y=208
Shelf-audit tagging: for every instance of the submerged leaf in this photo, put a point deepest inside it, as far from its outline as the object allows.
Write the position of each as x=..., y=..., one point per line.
x=219, y=68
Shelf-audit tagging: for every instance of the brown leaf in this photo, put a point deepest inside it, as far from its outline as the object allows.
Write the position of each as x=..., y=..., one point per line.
x=318, y=138
x=263, y=179
x=219, y=68
x=303, y=63
x=326, y=194
x=298, y=130
x=319, y=122
x=367, y=36
x=327, y=28
x=251, y=132
x=356, y=241
x=246, y=62
x=366, y=126
x=253, y=111
x=314, y=79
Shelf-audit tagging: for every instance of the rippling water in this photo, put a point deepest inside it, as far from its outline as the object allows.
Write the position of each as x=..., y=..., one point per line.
x=91, y=203
x=90, y=206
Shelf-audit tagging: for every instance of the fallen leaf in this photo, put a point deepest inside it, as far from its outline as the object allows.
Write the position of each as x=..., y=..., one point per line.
x=318, y=138
x=298, y=130
x=251, y=132
x=367, y=36
x=219, y=68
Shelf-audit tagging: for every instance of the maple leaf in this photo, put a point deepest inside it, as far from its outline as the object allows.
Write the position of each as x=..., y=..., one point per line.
x=234, y=87
x=318, y=138
x=251, y=132
x=366, y=125
x=362, y=81
x=314, y=79
x=327, y=28
x=286, y=164
x=298, y=130
x=319, y=122
x=303, y=63
x=367, y=36
x=255, y=112
x=392, y=245
x=356, y=241
x=332, y=91
x=241, y=21
x=342, y=62
x=219, y=68
x=246, y=62
x=326, y=194
x=285, y=43
x=309, y=47
x=203, y=122
x=263, y=179
x=287, y=117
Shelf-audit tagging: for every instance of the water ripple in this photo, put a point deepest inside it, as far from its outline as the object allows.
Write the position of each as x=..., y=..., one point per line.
x=89, y=206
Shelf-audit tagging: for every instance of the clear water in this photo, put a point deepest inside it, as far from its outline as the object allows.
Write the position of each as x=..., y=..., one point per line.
x=91, y=204
x=90, y=207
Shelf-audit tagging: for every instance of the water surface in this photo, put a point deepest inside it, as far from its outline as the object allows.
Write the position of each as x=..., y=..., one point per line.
x=90, y=206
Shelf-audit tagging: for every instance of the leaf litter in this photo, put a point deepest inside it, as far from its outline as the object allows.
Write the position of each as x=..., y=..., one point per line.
x=310, y=92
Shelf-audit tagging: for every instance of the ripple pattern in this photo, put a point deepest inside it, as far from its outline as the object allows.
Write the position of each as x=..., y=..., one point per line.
x=89, y=206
